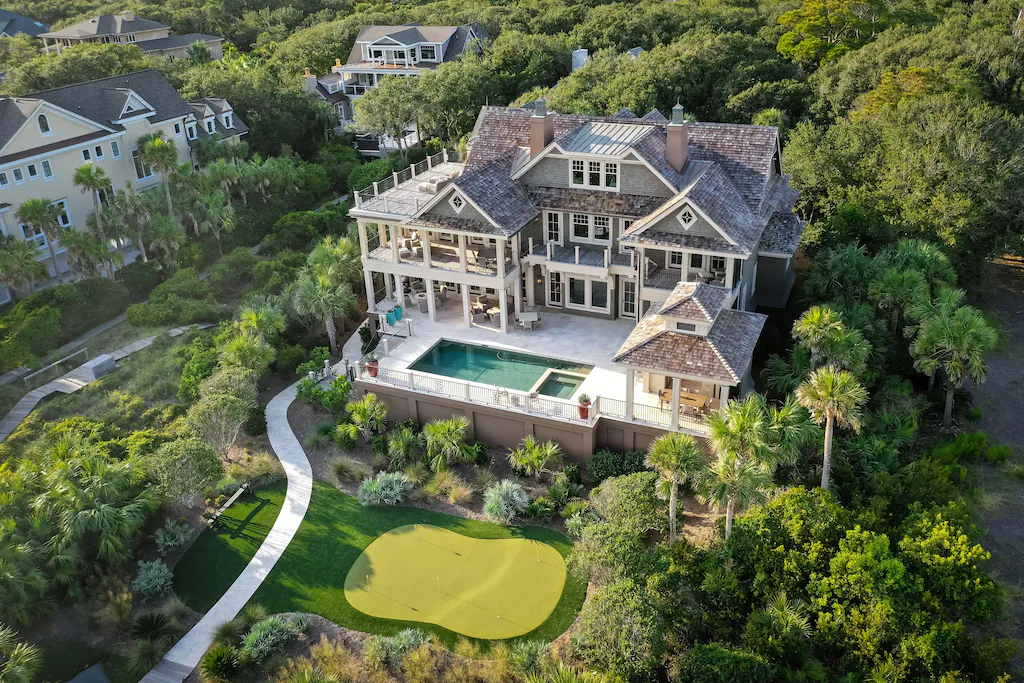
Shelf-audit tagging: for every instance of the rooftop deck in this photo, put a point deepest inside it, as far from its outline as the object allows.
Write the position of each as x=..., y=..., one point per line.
x=405, y=193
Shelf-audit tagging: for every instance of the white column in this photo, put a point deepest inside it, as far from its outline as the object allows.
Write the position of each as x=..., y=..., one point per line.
x=531, y=297
x=730, y=265
x=517, y=298
x=499, y=245
x=382, y=234
x=431, y=306
x=462, y=253
x=467, y=315
x=388, y=291
x=425, y=242
x=364, y=245
x=394, y=243
x=675, y=402
x=629, y=394
x=368, y=277
x=399, y=290
x=503, y=305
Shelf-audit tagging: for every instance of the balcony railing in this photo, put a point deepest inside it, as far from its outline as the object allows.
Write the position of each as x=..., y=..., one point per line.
x=400, y=205
x=446, y=256
x=581, y=256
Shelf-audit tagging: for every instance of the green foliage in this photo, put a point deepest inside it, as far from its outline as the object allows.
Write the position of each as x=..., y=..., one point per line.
x=140, y=278
x=315, y=362
x=605, y=463
x=289, y=357
x=233, y=272
x=387, y=488
x=77, y=64
x=630, y=502
x=716, y=663
x=182, y=299
x=621, y=631
x=504, y=501
x=172, y=535
x=269, y=637
x=184, y=468
x=364, y=176
x=198, y=360
x=152, y=580
x=220, y=664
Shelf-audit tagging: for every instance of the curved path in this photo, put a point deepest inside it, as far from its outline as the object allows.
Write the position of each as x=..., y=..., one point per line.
x=185, y=656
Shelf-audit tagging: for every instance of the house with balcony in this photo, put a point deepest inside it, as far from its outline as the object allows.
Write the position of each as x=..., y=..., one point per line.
x=381, y=51
x=45, y=136
x=629, y=253
x=126, y=28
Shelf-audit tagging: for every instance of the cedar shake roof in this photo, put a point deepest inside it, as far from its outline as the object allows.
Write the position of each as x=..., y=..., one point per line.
x=696, y=301
x=624, y=113
x=593, y=201
x=655, y=116
x=503, y=200
x=782, y=234
x=722, y=356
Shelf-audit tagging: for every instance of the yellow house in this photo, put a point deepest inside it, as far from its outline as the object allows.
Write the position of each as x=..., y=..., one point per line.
x=152, y=37
x=45, y=136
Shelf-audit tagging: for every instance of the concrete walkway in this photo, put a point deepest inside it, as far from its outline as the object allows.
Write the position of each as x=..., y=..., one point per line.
x=73, y=381
x=185, y=656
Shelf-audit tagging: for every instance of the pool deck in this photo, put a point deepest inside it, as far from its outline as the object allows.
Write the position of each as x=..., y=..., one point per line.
x=575, y=338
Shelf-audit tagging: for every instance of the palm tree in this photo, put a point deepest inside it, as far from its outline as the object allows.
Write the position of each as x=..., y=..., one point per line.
x=257, y=172
x=264, y=318
x=340, y=255
x=129, y=214
x=927, y=258
x=224, y=175
x=532, y=457
x=249, y=350
x=955, y=341
x=446, y=441
x=18, y=264
x=163, y=156
x=677, y=458
x=44, y=216
x=86, y=254
x=166, y=234
x=832, y=395
x=741, y=430
x=318, y=293
x=733, y=483
x=92, y=179
x=213, y=212
x=401, y=445
x=368, y=416
x=896, y=291
x=814, y=329
x=783, y=621
x=20, y=661
x=947, y=300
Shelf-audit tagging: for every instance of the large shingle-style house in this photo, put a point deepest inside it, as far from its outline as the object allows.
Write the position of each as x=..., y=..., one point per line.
x=381, y=51
x=152, y=37
x=45, y=136
x=12, y=24
x=648, y=243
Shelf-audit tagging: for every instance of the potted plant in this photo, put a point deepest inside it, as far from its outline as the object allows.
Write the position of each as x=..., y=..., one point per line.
x=398, y=312
x=584, y=406
x=390, y=315
x=372, y=367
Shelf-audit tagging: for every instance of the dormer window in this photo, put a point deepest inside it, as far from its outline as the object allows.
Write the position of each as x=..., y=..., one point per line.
x=210, y=126
x=190, y=131
x=685, y=327
x=597, y=174
x=457, y=203
x=332, y=88
x=44, y=125
x=687, y=217
x=228, y=121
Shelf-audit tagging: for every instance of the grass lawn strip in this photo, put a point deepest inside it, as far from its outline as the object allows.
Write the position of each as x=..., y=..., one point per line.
x=218, y=556
x=483, y=588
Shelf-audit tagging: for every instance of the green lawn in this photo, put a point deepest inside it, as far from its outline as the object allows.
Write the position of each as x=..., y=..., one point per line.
x=218, y=556
x=310, y=577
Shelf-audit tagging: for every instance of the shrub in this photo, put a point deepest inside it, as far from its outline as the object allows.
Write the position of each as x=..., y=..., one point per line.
x=256, y=423
x=154, y=626
x=379, y=444
x=257, y=470
x=140, y=278
x=322, y=434
x=172, y=535
x=153, y=579
x=398, y=645
x=965, y=448
x=335, y=397
x=197, y=360
x=233, y=272
x=997, y=453
x=220, y=664
x=289, y=357
x=314, y=361
x=542, y=508
x=481, y=454
x=309, y=391
x=144, y=655
x=345, y=469
x=572, y=473
x=387, y=488
x=975, y=414
x=344, y=437
x=714, y=663
x=367, y=174
x=181, y=300
x=528, y=655
x=605, y=463
x=268, y=637
x=184, y=468
x=505, y=501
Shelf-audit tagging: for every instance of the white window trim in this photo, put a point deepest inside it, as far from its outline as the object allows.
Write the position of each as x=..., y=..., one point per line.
x=86, y=154
x=46, y=164
x=178, y=130
x=5, y=180
x=587, y=293
x=145, y=178
x=211, y=127
x=15, y=172
x=602, y=174
x=49, y=128
x=591, y=230
x=624, y=224
x=191, y=131
x=229, y=121
x=39, y=239
x=98, y=153
x=675, y=266
x=683, y=222
x=431, y=58
x=63, y=203
x=548, y=215
x=115, y=149
x=549, y=284
x=28, y=170
x=622, y=297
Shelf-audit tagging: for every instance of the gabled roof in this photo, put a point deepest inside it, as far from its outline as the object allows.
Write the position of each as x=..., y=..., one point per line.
x=14, y=112
x=458, y=38
x=106, y=24
x=654, y=116
x=624, y=113
x=504, y=202
x=782, y=234
x=722, y=356
x=696, y=301
x=173, y=42
x=12, y=24
x=217, y=106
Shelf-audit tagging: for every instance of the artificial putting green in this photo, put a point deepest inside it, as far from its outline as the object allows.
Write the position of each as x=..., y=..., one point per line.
x=481, y=588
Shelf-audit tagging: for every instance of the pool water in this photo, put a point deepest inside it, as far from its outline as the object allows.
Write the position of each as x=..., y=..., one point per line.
x=503, y=368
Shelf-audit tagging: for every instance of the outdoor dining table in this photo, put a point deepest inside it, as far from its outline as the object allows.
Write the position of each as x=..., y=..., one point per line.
x=698, y=401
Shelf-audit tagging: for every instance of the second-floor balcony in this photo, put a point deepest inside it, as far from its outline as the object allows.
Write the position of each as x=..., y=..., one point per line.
x=593, y=257
x=478, y=259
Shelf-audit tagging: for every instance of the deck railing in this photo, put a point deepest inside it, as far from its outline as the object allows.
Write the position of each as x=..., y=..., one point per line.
x=397, y=178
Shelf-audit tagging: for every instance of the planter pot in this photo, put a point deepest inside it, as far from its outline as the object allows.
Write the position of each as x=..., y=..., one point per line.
x=398, y=313
x=372, y=368
x=390, y=317
x=584, y=409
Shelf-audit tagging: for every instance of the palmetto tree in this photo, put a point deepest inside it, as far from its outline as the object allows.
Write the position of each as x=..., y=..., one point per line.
x=446, y=441
x=783, y=621
x=367, y=416
x=946, y=301
x=897, y=290
x=19, y=662
x=162, y=155
x=677, y=458
x=532, y=457
x=224, y=175
x=213, y=213
x=128, y=215
x=927, y=258
x=264, y=318
x=832, y=395
x=402, y=443
x=256, y=171
x=86, y=254
x=18, y=264
x=248, y=350
x=92, y=179
x=341, y=256
x=815, y=328
x=955, y=341
x=731, y=483
x=166, y=234
x=42, y=215
x=741, y=429
x=319, y=293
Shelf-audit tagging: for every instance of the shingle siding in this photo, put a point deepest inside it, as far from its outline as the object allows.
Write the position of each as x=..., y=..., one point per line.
x=444, y=208
x=701, y=228
x=638, y=179
x=549, y=172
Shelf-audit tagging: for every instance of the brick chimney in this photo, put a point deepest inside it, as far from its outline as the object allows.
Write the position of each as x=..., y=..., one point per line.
x=678, y=139
x=310, y=81
x=337, y=65
x=542, y=128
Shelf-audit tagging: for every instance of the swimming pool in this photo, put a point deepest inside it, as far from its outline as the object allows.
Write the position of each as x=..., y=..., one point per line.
x=509, y=369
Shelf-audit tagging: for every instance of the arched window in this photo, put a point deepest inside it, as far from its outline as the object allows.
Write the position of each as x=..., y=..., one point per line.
x=44, y=124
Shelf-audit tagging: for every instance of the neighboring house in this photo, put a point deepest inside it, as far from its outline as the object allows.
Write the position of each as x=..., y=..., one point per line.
x=152, y=37
x=381, y=51
x=45, y=136
x=12, y=24
x=677, y=229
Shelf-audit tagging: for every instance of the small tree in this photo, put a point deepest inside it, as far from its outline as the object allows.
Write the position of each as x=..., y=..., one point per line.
x=831, y=394
x=162, y=155
x=678, y=459
x=319, y=292
x=732, y=483
x=367, y=416
x=219, y=419
x=390, y=108
x=446, y=441
x=42, y=215
x=199, y=53
x=18, y=265
x=184, y=468
x=532, y=457
x=504, y=501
